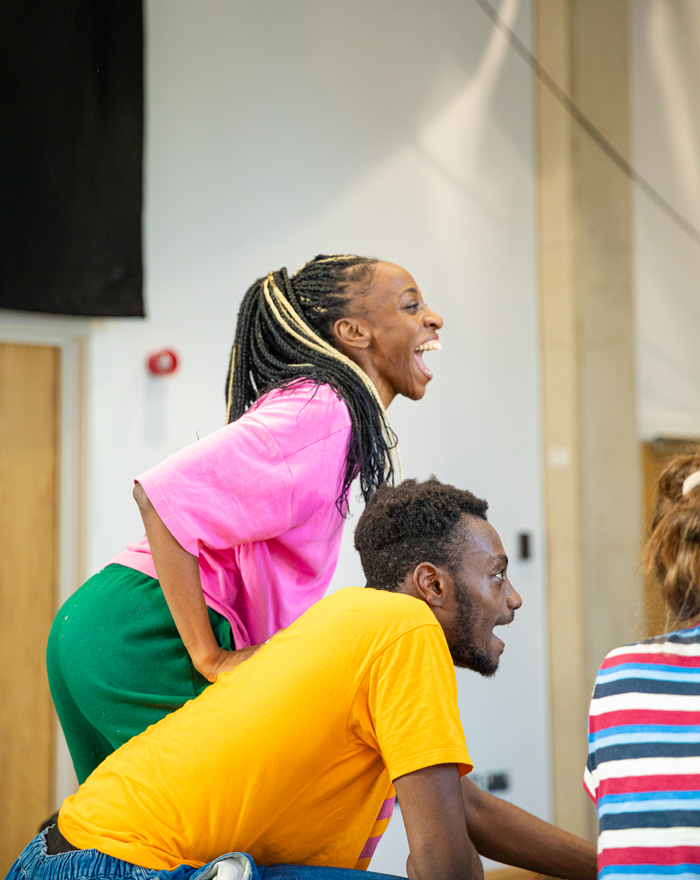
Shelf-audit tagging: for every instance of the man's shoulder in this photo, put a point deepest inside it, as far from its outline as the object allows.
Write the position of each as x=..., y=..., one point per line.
x=382, y=601
x=380, y=612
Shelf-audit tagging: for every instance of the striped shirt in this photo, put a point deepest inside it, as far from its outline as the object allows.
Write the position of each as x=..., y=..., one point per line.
x=643, y=770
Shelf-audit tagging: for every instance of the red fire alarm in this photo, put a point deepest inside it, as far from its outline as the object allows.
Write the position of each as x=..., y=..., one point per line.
x=163, y=362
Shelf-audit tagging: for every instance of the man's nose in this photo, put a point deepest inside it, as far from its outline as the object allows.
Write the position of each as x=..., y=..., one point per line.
x=513, y=601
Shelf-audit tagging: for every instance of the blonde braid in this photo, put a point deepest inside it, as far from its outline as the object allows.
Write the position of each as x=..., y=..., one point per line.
x=275, y=298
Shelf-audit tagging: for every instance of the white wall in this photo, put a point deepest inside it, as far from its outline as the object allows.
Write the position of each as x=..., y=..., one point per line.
x=393, y=128
x=666, y=150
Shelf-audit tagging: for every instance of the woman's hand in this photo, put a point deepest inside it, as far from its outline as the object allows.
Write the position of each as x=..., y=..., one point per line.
x=178, y=575
x=225, y=661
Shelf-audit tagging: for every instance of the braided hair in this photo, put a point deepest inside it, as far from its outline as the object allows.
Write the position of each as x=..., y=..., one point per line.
x=284, y=336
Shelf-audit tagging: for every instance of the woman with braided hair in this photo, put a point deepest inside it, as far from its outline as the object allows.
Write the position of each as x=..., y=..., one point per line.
x=643, y=770
x=243, y=527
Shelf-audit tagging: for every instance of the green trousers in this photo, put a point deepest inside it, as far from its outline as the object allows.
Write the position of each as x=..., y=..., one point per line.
x=117, y=664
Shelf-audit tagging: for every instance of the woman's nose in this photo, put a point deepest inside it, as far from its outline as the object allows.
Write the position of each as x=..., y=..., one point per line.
x=432, y=319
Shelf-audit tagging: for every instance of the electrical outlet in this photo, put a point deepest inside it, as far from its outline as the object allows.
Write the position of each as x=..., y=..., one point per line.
x=498, y=782
x=524, y=545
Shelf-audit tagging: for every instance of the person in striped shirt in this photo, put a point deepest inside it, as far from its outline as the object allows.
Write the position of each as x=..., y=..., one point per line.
x=643, y=770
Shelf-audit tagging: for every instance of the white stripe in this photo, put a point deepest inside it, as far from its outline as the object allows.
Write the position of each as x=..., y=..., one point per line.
x=691, y=650
x=590, y=782
x=642, y=701
x=647, y=767
x=648, y=837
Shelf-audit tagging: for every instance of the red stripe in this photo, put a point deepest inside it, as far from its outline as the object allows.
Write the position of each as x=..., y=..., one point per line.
x=640, y=716
x=685, y=782
x=370, y=846
x=661, y=659
x=387, y=810
x=649, y=855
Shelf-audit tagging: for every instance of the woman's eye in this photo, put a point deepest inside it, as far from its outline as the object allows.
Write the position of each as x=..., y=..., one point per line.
x=412, y=307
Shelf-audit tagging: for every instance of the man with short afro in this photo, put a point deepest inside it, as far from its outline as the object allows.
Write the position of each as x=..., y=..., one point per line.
x=294, y=758
x=403, y=525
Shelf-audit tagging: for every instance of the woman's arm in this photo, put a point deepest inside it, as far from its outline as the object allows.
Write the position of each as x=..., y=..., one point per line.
x=178, y=575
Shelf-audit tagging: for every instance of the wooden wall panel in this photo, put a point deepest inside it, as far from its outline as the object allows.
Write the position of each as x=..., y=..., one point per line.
x=591, y=474
x=29, y=382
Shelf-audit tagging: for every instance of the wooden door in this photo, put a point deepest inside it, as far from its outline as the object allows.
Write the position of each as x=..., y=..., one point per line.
x=655, y=456
x=29, y=383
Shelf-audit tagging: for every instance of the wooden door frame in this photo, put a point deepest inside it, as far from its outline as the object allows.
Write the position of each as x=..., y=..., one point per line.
x=70, y=336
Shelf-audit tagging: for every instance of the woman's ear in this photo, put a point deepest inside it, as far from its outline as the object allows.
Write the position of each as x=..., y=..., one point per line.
x=352, y=333
x=429, y=582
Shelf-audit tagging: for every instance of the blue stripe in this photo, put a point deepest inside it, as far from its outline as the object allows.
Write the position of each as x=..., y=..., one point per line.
x=630, y=738
x=679, y=635
x=640, y=685
x=644, y=728
x=650, y=664
x=649, y=796
x=650, y=872
x=649, y=671
x=684, y=818
x=628, y=751
x=654, y=870
x=666, y=804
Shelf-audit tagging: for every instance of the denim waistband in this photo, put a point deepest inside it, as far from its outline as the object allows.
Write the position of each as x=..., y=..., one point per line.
x=35, y=863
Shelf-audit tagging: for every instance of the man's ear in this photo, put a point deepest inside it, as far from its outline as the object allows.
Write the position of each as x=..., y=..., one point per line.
x=429, y=582
x=352, y=332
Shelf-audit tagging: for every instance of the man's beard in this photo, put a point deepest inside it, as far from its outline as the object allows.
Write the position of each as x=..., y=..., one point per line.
x=464, y=651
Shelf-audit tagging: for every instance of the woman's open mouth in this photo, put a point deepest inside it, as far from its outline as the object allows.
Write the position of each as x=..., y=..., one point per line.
x=433, y=345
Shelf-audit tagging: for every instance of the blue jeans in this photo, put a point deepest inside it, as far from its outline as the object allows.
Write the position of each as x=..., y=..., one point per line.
x=34, y=863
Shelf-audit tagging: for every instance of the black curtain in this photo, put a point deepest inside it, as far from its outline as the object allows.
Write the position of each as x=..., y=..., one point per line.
x=71, y=146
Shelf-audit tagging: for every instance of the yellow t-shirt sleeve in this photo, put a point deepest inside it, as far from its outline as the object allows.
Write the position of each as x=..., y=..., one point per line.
x=413, y=718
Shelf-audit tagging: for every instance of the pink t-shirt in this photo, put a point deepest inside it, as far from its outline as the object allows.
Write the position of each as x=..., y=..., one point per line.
x=255, y=502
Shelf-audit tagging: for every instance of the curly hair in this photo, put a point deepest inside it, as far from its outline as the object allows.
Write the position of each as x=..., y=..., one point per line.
x=284, y=336
x=672, y=550
x=414, y=522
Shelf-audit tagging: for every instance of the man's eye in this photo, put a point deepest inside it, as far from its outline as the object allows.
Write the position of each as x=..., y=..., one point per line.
x=411, y=308
x=501, y=575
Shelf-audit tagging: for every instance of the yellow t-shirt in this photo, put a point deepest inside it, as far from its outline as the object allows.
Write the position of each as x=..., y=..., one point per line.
x=291, y=756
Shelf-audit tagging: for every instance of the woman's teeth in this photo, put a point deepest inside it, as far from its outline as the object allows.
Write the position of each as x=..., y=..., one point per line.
x=433, y=345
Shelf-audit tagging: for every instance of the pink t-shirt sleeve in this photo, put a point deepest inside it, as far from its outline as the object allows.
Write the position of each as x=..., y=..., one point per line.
x=249, y=481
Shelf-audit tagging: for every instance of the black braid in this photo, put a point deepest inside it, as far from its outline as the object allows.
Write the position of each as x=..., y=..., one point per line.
x=266, y=356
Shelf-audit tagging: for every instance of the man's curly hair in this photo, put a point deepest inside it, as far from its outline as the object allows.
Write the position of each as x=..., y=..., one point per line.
x=414, y=522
